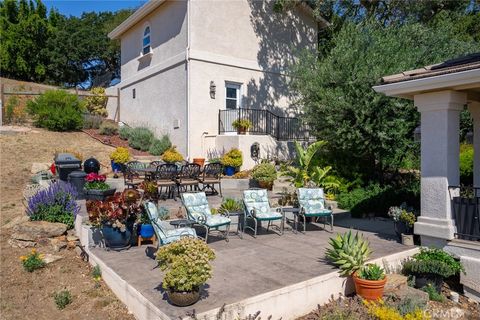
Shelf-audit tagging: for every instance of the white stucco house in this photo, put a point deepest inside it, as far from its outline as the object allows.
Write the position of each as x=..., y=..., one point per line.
x=190, y=68
x=450, y=221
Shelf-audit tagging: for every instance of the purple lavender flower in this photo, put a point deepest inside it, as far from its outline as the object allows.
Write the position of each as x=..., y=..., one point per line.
x=57, y=194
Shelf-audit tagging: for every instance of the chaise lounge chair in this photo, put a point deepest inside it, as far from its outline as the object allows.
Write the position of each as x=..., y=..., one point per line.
x=312, y=205
x=198, y=210
x=258, y=208
x=165, y=232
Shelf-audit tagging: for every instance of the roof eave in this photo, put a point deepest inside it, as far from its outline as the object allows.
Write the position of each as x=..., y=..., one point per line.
x=136, y=17
x=408, y=88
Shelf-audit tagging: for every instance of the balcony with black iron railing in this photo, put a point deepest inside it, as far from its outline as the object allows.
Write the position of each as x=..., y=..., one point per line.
x=264, y=122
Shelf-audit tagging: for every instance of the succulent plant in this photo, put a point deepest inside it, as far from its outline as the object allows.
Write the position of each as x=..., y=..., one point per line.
x=348, y=252
x=371, y=272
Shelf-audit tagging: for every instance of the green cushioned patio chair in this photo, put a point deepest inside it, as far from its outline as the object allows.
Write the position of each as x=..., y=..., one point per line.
x=312, y=205
x=165, y=232
x=257, y=208
x=198, y=210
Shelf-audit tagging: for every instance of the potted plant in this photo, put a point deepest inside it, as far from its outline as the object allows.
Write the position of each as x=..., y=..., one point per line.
x=115, y=217
x=171, y=155
x=199, y=161
x=369, y=281
x=187, y=266
x=96, y=188
x=145, y=228
x=150, y=190
x=265, y=174
x=403, y=220
x=118, y=158
x=242, y=125
x=432, y=266
x=232, y=160
x=349, y=253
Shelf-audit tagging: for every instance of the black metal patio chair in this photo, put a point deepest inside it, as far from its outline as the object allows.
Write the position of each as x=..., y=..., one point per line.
x=211, y=176
x=165, y=178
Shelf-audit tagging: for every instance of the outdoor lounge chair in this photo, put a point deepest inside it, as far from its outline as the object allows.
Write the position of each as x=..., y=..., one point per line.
x=198, y=210
x=258, y=208
x=165, y=232
x=312, y=205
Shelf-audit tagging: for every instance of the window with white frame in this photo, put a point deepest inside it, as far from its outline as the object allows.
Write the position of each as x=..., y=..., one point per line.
x=146, y=41
x=232, y=95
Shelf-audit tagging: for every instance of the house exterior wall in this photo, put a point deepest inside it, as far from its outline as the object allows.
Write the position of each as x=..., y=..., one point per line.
x=168, y=38
x=159, y=79
x=160, y=100
x=246, y=43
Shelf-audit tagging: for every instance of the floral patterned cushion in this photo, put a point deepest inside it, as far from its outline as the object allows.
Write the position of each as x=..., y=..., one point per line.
x=312, y=202
x=197, y=208
x=177, y=234
x=256, y=201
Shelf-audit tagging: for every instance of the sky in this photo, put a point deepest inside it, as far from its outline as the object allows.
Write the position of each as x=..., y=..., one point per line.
x=77, y=7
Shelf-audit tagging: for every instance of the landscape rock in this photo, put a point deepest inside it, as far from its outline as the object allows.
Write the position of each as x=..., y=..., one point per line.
x=406, y=292
x=21, y=244
x=23, y=236
x=71, y=244
x=57, y=244
x=394, y=282
x=49, y=258
x=39, y=229
x=39, y=166
x=15, y=221
x=72, y=238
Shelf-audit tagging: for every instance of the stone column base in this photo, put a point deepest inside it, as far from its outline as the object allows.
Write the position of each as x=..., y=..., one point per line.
x=435, y=228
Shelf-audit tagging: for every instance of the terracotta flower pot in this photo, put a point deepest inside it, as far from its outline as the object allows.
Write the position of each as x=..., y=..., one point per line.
x=199, y=161
x=241, y=130
x=265, y=185
x=183, y=298
x=369, y=289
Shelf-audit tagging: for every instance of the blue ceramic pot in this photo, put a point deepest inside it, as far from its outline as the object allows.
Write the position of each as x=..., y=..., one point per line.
x=146, y=231
x=116, y=167
x=229, y=171
x=115, y=239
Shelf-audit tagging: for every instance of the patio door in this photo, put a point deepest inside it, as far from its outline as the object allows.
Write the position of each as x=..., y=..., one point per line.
x=232, y=95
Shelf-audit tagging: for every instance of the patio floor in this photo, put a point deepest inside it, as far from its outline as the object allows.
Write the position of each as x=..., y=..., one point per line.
x=249, y=267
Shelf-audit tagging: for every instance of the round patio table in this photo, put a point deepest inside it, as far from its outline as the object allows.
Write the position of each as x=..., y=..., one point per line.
x=147, y=171
x=182, y=223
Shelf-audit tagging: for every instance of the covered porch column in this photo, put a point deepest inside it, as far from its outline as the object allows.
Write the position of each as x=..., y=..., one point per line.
x=440, y=148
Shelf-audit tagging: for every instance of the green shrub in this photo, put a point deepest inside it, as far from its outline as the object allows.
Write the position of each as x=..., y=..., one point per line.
x=159, y=146
x=187, y=264
x=230, y=205
x=91, y=121
x=124, y=132
x=433, y=295
x=466, y=164
x=63, y=299
x=57, y=110
x=377, y=199
x=14, y=113
x=33, y=261
x=264, y=172
x=172, y=155
x=108, y=128
x=432, y=261
x=140, y=138
x=233, y=158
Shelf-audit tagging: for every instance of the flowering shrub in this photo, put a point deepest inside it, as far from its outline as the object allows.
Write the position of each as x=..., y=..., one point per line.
x=233, y=158
x=172, y=155
x=403, y=213
x=33, y=261
x=187, y=264
x=115, y=210
x=96, y=182
x=379, y=310
x=120, y=155
x=54, y=204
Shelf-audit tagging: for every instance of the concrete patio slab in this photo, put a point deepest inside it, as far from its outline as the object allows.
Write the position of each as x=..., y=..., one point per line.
x=266, y=269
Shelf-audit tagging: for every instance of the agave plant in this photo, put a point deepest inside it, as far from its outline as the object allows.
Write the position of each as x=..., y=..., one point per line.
x=348, y=252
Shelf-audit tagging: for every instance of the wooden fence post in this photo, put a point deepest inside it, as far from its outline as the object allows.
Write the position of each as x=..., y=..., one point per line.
x=2, y=101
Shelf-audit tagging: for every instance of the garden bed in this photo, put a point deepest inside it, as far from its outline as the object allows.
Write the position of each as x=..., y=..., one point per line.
x=114, y=141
